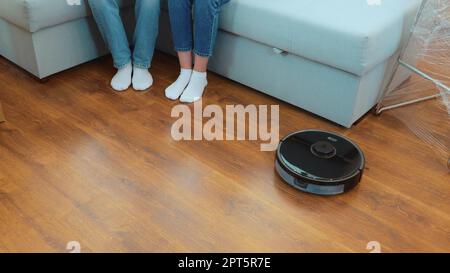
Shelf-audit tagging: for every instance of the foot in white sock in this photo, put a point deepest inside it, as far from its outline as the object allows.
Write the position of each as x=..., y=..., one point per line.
x=142, y=79
x=122, y=80
x=175, y=90
x=194, y=91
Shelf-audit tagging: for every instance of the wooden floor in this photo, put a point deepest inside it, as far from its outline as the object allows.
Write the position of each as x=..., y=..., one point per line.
x=79, y=162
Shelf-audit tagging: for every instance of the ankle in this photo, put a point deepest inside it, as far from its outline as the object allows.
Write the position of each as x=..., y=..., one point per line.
x=199, y=70
x=139, y=68
x=126, y=67
x=185, y=72
x=199, y=75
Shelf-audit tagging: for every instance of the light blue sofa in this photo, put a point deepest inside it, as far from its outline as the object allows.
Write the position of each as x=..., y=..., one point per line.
x=329, y=57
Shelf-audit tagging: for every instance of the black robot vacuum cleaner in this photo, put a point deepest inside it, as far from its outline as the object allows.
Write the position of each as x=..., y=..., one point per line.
x=319, y=162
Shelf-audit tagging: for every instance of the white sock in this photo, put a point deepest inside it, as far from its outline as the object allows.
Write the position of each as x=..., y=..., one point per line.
x=122, y=80
x=174, y=91
x=142, y=79
x=194, y=91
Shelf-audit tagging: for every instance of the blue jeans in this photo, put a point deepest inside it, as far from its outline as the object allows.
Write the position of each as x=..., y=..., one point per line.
x=202, y=37
x=109, y=22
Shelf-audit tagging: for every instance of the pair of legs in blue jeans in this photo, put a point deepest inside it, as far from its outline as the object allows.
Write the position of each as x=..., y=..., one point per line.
x=132, y=66
x=194, y=29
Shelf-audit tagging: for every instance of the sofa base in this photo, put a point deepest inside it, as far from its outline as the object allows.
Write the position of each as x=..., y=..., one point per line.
x=54, y=49
x=326, y=91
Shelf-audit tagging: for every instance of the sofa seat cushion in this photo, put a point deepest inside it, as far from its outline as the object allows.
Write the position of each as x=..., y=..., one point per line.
x=33, y=15
x=351, y=35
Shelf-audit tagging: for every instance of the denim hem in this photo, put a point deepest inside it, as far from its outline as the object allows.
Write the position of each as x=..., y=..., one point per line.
x=141, y=66
x=202, y=54
x=183, y=49
x=122, y=65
